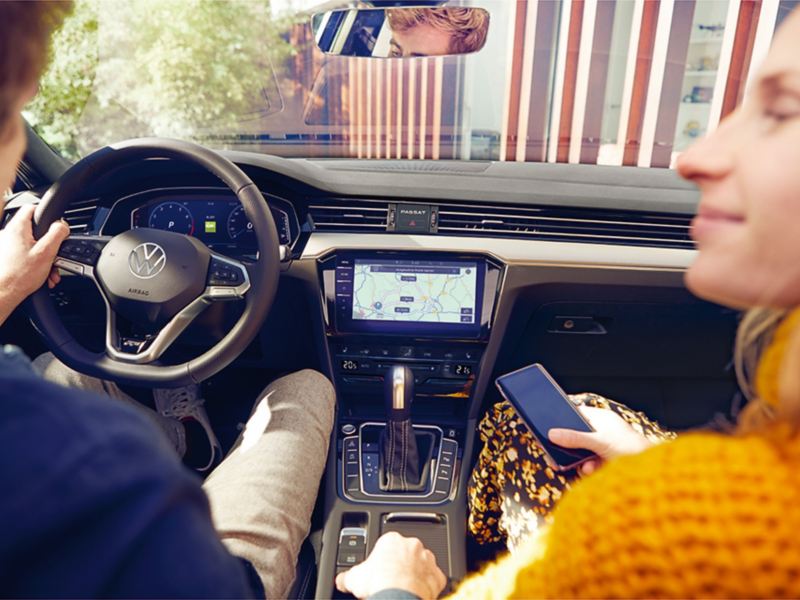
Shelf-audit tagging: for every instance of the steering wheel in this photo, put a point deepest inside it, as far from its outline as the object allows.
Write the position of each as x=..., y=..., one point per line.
x=156, y=281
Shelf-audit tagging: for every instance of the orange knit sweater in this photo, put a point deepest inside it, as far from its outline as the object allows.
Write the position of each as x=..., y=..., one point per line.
x=706, y=515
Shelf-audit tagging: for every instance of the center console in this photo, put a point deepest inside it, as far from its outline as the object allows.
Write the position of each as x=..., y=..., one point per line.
x=406, y=334
x=431, y=312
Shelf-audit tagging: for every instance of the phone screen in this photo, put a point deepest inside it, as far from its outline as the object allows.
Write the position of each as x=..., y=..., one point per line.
x=543, y=406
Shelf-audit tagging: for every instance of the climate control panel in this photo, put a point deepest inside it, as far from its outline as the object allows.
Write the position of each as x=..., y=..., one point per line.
x=438, y=369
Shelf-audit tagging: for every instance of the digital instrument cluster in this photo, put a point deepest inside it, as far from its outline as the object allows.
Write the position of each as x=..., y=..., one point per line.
x=220, y=223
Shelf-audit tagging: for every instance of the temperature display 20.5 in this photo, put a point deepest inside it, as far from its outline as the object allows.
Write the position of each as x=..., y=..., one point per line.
x=220, y=224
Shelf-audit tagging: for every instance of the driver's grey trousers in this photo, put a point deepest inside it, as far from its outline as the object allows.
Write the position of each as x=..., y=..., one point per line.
x=263, y=492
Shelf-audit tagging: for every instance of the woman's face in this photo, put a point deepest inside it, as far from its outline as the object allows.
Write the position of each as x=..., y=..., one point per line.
x=748, y=224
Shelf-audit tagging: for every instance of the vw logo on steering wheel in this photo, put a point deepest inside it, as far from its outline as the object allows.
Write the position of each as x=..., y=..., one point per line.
x=147, y=260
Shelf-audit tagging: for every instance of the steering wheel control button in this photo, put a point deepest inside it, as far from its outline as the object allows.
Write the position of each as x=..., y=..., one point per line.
x=221, y=272
x=222, y=293
x=69, y=266
x=82, y=251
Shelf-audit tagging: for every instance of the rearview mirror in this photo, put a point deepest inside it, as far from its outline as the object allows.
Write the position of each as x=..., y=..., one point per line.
x=401, y=32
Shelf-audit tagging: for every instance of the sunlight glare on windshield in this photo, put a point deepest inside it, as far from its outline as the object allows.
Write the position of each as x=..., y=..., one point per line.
x=610, y=83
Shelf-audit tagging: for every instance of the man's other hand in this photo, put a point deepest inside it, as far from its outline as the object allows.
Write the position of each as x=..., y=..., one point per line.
x=26, y=263
x=396, y=562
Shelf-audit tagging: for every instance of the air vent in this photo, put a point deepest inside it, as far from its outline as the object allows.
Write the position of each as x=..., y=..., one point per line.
x=349, y=215
x=28, y=177
x=565, y=224
x=80, y=214
x=543, y=223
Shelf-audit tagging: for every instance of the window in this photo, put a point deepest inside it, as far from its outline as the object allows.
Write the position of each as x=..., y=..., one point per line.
x=608, y=82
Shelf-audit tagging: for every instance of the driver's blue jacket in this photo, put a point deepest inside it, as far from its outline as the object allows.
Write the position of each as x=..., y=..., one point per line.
x=94, y=504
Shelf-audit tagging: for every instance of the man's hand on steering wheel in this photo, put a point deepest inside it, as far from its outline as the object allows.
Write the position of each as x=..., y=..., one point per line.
x=27, y=262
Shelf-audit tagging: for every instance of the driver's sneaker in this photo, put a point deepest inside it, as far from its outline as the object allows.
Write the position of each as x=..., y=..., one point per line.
x=185, y=405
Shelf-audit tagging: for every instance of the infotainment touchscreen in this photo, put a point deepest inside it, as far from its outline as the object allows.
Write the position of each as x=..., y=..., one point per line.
x=409, y=296
x=420, y=293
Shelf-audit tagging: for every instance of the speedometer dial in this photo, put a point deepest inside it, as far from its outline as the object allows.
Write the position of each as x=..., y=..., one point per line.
x=240, y=229
x=239, y=226
x=172, y=216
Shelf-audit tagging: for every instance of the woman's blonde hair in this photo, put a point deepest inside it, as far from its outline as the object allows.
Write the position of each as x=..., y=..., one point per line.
x=755, y=333
x=790, y=381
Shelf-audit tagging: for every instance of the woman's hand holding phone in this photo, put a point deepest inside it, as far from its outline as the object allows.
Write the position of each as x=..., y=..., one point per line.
x=571, y=436
x=612, y=437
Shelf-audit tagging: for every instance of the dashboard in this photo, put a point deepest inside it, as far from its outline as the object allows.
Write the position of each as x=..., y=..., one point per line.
x=213, y=215
x=386, y=272
x=484, y=286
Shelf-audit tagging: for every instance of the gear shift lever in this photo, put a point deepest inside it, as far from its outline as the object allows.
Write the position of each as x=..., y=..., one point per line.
x=399, y=393
x=401, y=467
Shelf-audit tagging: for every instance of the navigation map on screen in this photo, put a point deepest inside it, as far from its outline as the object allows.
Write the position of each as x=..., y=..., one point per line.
x=415, y=291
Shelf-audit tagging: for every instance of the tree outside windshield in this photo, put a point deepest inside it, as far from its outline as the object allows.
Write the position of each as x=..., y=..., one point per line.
x=607, y=82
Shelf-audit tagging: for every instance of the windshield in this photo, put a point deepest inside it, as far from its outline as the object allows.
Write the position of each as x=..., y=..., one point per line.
x=606, y=82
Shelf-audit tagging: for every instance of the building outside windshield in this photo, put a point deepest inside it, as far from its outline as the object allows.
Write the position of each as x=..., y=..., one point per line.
x=627, y=82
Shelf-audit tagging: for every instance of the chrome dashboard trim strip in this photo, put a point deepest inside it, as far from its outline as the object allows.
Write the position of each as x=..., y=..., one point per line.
x=443, y=210
x=510, y=251
x=544, y=234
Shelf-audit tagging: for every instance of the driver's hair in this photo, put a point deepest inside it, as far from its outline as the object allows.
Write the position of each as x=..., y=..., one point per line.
x=25, y=29
x=467, y=26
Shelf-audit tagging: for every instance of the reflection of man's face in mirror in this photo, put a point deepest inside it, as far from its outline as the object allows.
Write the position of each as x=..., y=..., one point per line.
x=420, y=40
x=436, y=31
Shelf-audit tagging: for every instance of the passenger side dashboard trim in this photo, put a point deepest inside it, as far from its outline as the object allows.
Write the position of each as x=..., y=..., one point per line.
x=510, y=251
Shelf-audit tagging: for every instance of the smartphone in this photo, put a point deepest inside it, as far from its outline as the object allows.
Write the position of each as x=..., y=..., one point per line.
x=542, y=405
